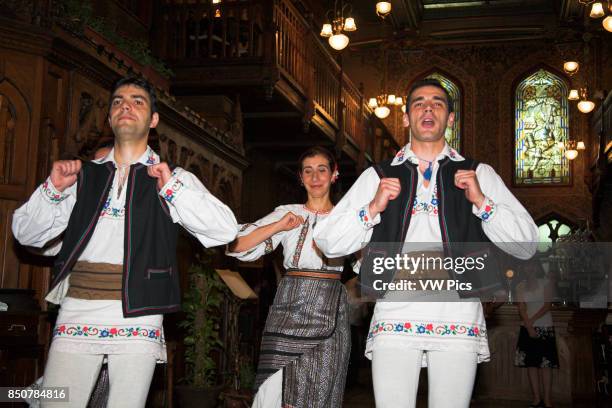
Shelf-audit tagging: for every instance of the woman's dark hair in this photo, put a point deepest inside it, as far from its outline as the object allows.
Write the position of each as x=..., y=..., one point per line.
x=319, y=151
x=140, y=83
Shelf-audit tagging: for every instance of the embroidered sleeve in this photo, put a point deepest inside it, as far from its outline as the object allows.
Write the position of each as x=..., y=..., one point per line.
x=486, y=211
x=173, y=188
x=50, y=193
x=269, y=246
x=366, y=219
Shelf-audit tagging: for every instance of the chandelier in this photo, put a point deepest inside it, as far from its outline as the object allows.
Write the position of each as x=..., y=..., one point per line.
x=334, y=31
x=571, y=148
x=383, y=103
x=599, y=10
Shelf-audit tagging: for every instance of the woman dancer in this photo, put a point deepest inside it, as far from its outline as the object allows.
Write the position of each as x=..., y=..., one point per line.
x=306, y=341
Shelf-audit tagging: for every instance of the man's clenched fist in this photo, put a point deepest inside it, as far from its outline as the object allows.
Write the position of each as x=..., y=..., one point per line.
x=468, y=181
x=388, y=189
x=64, y=173
x=161, y=172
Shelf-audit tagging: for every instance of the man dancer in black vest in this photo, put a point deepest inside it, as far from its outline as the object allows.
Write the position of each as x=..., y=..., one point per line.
x=116, y=272
x=427, y=194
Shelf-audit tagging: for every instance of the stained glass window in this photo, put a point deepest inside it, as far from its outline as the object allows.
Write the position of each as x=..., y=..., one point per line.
x=549, y=232
x=452, y=135
x=541, y=124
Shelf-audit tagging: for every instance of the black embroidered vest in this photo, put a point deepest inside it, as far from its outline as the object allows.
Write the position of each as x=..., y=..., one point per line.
x=150, y=276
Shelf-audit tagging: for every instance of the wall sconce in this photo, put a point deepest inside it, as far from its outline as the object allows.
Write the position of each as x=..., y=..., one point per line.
x=383, y=9
x=334, y=30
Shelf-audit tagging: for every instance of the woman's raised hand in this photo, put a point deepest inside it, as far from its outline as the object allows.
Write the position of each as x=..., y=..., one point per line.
x=290, y=221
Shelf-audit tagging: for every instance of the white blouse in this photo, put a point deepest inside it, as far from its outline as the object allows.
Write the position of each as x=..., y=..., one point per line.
x=299, y=249
x=428, y=324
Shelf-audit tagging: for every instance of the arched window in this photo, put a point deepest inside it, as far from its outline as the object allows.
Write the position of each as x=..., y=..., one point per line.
x=541, y=124
x=452, y=135
x=550, y=231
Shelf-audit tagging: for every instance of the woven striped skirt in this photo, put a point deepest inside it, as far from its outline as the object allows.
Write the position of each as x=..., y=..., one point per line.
x=307, y=335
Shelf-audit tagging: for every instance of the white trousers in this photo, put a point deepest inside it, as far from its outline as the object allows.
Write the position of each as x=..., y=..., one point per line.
x=270, y=394
x=129, y=377
x=450, y=376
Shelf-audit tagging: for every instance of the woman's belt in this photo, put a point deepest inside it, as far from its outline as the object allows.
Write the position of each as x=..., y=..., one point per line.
x=316, y=273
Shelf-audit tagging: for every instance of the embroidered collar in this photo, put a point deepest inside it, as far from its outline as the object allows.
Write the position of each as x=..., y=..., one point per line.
x=148, y=158
x=406, y=153
x=316, y=212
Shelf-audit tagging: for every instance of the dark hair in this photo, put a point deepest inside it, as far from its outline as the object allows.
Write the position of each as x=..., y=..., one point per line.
x=140, y=83
x=429, y=82
x=319, y=151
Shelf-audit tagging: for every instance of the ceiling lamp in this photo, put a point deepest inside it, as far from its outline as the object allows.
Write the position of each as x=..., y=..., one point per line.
x=383, y=8
x=598, y=10
x=334, y=30
x=571, y=67
x=338, y=41
x=382, y=111
x=326, y=31
x=580, y=146
x=571, y=154
x=573, y=95
x=585, y=106
x=607, y=23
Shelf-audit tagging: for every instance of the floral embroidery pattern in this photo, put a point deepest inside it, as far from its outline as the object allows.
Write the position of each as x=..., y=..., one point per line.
x=364, y=217
x=453, y=153
x=51, y=193
x=430, y=207
x=399, y=156
x=100, y=332
x=110, y=211
x=269, y=246
x=426, y=329
x=172, y=192
x=151, y=159
x=488, y=210
x=300, y=243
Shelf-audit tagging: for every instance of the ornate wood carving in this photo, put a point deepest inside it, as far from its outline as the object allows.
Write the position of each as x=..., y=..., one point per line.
x=88, y=118
x=221, y=178
x=7, y=138
x=14, y=135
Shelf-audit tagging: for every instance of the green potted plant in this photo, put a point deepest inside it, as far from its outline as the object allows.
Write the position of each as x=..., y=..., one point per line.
x=201, y=324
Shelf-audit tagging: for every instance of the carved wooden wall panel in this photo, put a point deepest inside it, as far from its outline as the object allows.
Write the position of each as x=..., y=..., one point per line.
x=15, y=128
x=219, y=176
x=88, y=117
x=54, y=118
x=20, y=80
